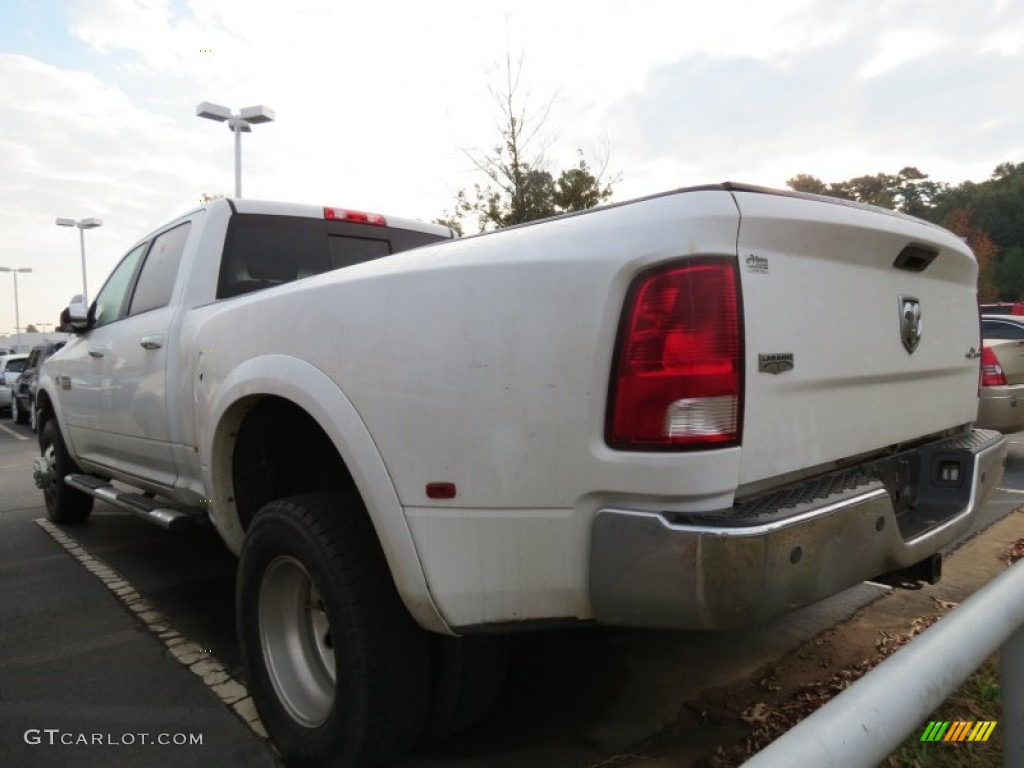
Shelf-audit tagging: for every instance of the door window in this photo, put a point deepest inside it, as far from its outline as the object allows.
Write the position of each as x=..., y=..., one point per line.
x=160, y=271
x=110, y=302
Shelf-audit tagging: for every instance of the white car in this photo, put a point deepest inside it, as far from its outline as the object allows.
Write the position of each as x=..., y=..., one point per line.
x=11, y=367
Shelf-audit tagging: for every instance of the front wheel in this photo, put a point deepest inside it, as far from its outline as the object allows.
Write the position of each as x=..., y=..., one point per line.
x=63, y=503
x=337, y=668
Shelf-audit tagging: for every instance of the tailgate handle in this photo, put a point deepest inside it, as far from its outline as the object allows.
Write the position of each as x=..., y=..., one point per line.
x=915, y=258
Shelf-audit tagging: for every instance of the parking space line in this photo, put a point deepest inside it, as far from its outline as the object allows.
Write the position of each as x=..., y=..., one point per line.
x=12, y=433
x=212, y=672
x=1011, y=490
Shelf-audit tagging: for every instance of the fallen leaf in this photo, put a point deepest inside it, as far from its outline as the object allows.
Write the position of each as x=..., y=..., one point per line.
x=759, y=713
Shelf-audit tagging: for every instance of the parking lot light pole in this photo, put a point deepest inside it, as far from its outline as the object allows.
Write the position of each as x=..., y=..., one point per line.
x=17, y=315
x=82, y=224
x=238, y=123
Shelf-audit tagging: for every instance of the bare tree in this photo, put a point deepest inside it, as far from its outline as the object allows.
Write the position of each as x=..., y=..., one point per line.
x=520, y=186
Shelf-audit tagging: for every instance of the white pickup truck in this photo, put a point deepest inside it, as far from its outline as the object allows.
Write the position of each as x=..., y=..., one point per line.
x=694, y=410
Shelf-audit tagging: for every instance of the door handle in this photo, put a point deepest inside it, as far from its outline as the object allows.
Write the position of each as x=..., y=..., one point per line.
x=96, y=352
x=152, y=342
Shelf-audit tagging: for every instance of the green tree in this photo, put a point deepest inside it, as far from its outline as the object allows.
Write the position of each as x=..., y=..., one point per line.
x=804, y=182
x=909, y=191
x=520, y=185
x=961, y=223
x=996, y=205
x=989, y=214
x=1009, y=274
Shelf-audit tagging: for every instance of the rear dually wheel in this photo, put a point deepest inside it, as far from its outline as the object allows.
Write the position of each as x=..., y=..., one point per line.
x=337, y=668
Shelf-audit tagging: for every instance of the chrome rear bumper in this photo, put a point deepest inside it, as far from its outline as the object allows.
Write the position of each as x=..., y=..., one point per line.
x=792, y=548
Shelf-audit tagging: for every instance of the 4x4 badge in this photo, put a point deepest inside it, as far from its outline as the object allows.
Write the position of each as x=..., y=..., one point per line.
x=910, y=322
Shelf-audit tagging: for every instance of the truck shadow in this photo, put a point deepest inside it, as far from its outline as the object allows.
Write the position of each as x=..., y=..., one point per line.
x=572, y=697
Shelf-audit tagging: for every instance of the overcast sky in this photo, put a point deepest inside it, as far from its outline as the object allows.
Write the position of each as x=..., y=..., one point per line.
x=376, y=103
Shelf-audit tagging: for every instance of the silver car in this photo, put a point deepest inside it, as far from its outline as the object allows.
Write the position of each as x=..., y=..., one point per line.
x=1002, y=373
x=11, y=367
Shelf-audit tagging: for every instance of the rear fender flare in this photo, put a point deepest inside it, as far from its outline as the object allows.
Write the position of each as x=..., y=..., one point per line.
x=312, y=390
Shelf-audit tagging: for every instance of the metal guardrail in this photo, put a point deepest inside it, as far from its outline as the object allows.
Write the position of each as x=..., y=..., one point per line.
x=868, y=721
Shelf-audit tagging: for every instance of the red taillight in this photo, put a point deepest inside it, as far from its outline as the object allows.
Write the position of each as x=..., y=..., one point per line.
x=677, y=381
x=991, y=372
x=359, y=217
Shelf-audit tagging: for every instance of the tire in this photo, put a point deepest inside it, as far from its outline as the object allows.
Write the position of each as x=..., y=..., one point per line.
x=17, y=412
x=469, y=673
x=337, y=668
x=63, y=503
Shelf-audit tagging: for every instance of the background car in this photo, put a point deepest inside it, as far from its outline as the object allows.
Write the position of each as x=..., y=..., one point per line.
x=24, y=390
x=1002, y=373
x=11, y=367
x=1002, y=308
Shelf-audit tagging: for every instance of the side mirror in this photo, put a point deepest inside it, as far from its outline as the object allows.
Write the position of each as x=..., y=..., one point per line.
x=75, y=319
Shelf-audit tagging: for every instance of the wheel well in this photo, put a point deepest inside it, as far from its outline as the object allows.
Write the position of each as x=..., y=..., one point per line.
x=279, y=451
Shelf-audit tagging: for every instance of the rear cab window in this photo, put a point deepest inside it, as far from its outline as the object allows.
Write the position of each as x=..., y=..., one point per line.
x=263, y=251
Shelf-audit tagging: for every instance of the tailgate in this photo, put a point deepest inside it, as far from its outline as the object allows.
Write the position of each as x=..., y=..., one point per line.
x=825, y=289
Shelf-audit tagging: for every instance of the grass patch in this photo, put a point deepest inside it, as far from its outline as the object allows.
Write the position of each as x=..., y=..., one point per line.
x=977, y=699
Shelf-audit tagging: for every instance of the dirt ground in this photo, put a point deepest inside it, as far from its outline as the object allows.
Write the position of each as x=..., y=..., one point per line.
x=724, y=727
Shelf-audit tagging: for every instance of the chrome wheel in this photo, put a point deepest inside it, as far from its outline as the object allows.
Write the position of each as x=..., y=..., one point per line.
x=295, y=636
x=64, y=504
x=46, y=479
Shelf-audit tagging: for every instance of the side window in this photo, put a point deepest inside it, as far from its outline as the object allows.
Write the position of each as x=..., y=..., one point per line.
x=160, y=271
x=115, y=290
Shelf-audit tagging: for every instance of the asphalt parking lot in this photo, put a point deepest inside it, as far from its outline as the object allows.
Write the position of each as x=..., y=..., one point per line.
x=79, y=665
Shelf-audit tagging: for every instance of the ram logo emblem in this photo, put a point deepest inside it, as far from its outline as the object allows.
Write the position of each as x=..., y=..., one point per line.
x=910, y=322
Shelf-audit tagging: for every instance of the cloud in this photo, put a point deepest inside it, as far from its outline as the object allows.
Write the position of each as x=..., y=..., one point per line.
x=374, y=103
x=72, y=145
x=861, y=102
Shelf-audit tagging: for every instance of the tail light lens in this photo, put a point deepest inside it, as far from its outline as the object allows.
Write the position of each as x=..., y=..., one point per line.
x=677, y=379
x=991, y=372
